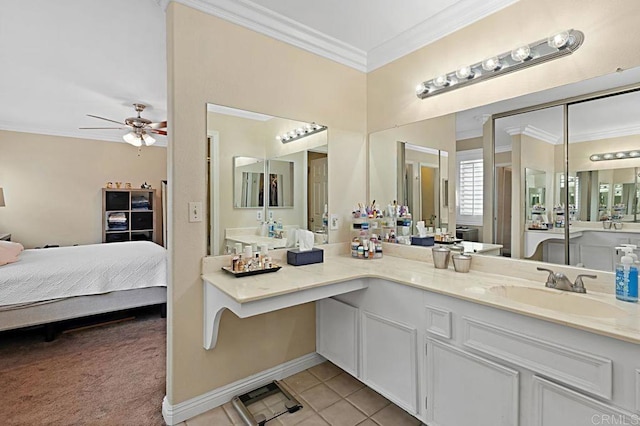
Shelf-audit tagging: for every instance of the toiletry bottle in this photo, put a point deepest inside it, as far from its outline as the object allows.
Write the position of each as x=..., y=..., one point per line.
x=626, y=277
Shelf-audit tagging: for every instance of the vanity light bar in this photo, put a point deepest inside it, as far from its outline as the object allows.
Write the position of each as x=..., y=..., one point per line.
x=556, y=46
x=620, y=155
x=301, y=132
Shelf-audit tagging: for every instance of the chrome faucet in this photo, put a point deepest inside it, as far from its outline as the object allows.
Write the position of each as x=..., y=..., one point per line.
x=560, y=281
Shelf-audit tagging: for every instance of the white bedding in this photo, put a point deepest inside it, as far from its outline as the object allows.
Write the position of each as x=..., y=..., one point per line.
x=55, y=273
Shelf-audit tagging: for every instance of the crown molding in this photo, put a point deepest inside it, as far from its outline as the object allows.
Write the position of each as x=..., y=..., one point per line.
x=605, y=134
x=503, y=148
x=79, y=134
x=459, y=15
x=220, y=109
x=534, y=132
x=265, y=21
x=279, y=27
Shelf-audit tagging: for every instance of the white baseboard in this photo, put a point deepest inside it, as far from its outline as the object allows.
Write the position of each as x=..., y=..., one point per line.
x=174, y=414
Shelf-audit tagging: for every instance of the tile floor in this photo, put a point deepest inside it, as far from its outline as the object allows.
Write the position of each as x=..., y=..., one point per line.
x=329, y=397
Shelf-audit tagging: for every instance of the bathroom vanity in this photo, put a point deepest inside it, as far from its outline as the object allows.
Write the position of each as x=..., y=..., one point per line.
x=505, y=348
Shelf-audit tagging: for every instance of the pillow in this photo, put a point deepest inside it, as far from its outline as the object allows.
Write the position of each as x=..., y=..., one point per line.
x=9, y=252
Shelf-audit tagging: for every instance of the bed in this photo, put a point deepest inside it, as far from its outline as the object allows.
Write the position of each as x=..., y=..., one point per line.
x=55, y=284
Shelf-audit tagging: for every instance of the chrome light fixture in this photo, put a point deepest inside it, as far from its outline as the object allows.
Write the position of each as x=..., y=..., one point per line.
x=558, y=45
x=618, y=155
x=301, y=132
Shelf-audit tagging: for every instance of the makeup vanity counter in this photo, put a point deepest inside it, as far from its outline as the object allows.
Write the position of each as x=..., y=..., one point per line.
x=411, y=332
x=340, y=273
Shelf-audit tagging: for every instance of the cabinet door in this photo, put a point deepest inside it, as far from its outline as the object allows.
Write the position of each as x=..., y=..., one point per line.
x=464, y=389
x=337, y=334
x=389, y=360
x=556, y=405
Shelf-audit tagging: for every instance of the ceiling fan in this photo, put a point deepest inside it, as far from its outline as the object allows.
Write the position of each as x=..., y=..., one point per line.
x=140, y=128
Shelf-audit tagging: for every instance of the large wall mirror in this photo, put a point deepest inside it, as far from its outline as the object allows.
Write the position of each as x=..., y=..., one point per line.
x=255, y=177
x=565, y=169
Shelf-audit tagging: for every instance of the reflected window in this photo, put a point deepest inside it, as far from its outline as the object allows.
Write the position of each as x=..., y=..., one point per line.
x=470, y=188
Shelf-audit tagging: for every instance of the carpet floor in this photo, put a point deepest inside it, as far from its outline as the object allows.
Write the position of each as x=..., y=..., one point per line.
x=111, y=374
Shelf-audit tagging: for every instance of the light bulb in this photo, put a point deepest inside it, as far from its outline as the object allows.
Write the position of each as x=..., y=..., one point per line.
x=292, y=134
x=300, y=131
x=595, y=157
x=465, y=73
x=521, y=54
x=559, y=40
x=608, y=156
x=148, y=139
x=634, y=154
x=133, y=139
x=278, y=138
x=621, y=154
x=421, y=88
x=491, y=64
x=441, y=81
x=309, y=127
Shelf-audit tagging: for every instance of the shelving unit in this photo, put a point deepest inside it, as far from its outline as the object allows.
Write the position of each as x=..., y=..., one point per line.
x=129, y=215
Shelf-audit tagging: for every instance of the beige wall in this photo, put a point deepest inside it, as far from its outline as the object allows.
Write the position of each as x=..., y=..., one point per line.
x=610, y=29
x=211, y=60
x=467, y=144
x=53, y=185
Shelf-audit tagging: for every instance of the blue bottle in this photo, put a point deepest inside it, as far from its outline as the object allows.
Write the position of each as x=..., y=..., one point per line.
x=626, y=279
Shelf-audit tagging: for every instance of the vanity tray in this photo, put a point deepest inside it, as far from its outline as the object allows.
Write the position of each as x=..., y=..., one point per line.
x=248, y=273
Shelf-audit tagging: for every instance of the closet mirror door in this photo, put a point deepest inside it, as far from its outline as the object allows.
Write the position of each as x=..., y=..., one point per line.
x=529, y=167
x=604, y=160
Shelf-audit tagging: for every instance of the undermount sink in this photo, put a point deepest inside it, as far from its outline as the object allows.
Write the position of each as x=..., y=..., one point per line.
x=557, y=300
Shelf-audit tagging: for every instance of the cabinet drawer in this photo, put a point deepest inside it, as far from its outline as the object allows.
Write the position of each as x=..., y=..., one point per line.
x=438, y=321
x=579, y=369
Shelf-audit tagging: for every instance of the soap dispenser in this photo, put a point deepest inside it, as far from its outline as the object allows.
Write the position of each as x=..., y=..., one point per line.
x=626, y=277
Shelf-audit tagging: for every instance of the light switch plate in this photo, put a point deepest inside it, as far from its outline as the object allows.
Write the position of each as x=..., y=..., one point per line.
x=259, y=215
x=195, y=211
x=334, y=222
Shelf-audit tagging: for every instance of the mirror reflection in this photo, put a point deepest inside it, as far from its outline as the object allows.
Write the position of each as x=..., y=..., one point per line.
x=591, y=203
x=248, y=175
x=261, y=188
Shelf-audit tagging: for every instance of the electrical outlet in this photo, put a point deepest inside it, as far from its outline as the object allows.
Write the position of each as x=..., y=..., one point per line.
x=334, y=223
x=259, y=215
x=195, y=211
x=270, y=215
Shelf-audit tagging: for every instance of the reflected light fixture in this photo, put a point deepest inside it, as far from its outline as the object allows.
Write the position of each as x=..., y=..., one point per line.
x=618, y=155
x=526, y=55
x=2, y=204
x=138, y=137
x=301, y=132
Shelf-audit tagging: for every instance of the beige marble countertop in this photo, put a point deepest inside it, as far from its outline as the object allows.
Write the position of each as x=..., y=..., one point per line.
x=473, y=286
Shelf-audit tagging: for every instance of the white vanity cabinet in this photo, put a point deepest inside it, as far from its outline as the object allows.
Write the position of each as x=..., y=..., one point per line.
x=337, y=336
x=453, y=362
x=465, y=389
x=387, y=344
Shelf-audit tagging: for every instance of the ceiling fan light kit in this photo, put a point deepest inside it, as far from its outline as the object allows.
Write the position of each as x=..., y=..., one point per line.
x=141, y=127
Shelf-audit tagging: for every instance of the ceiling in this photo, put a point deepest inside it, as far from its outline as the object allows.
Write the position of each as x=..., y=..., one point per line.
x=69, y=58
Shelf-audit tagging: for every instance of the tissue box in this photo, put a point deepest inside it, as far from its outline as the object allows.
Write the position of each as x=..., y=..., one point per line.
x=422, y=241
x=296, y=257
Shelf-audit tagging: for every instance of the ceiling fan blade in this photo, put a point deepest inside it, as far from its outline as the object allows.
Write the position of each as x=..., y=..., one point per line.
x=106, y=119
x=160, y=125
x=103, y=128
x=157, y=132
